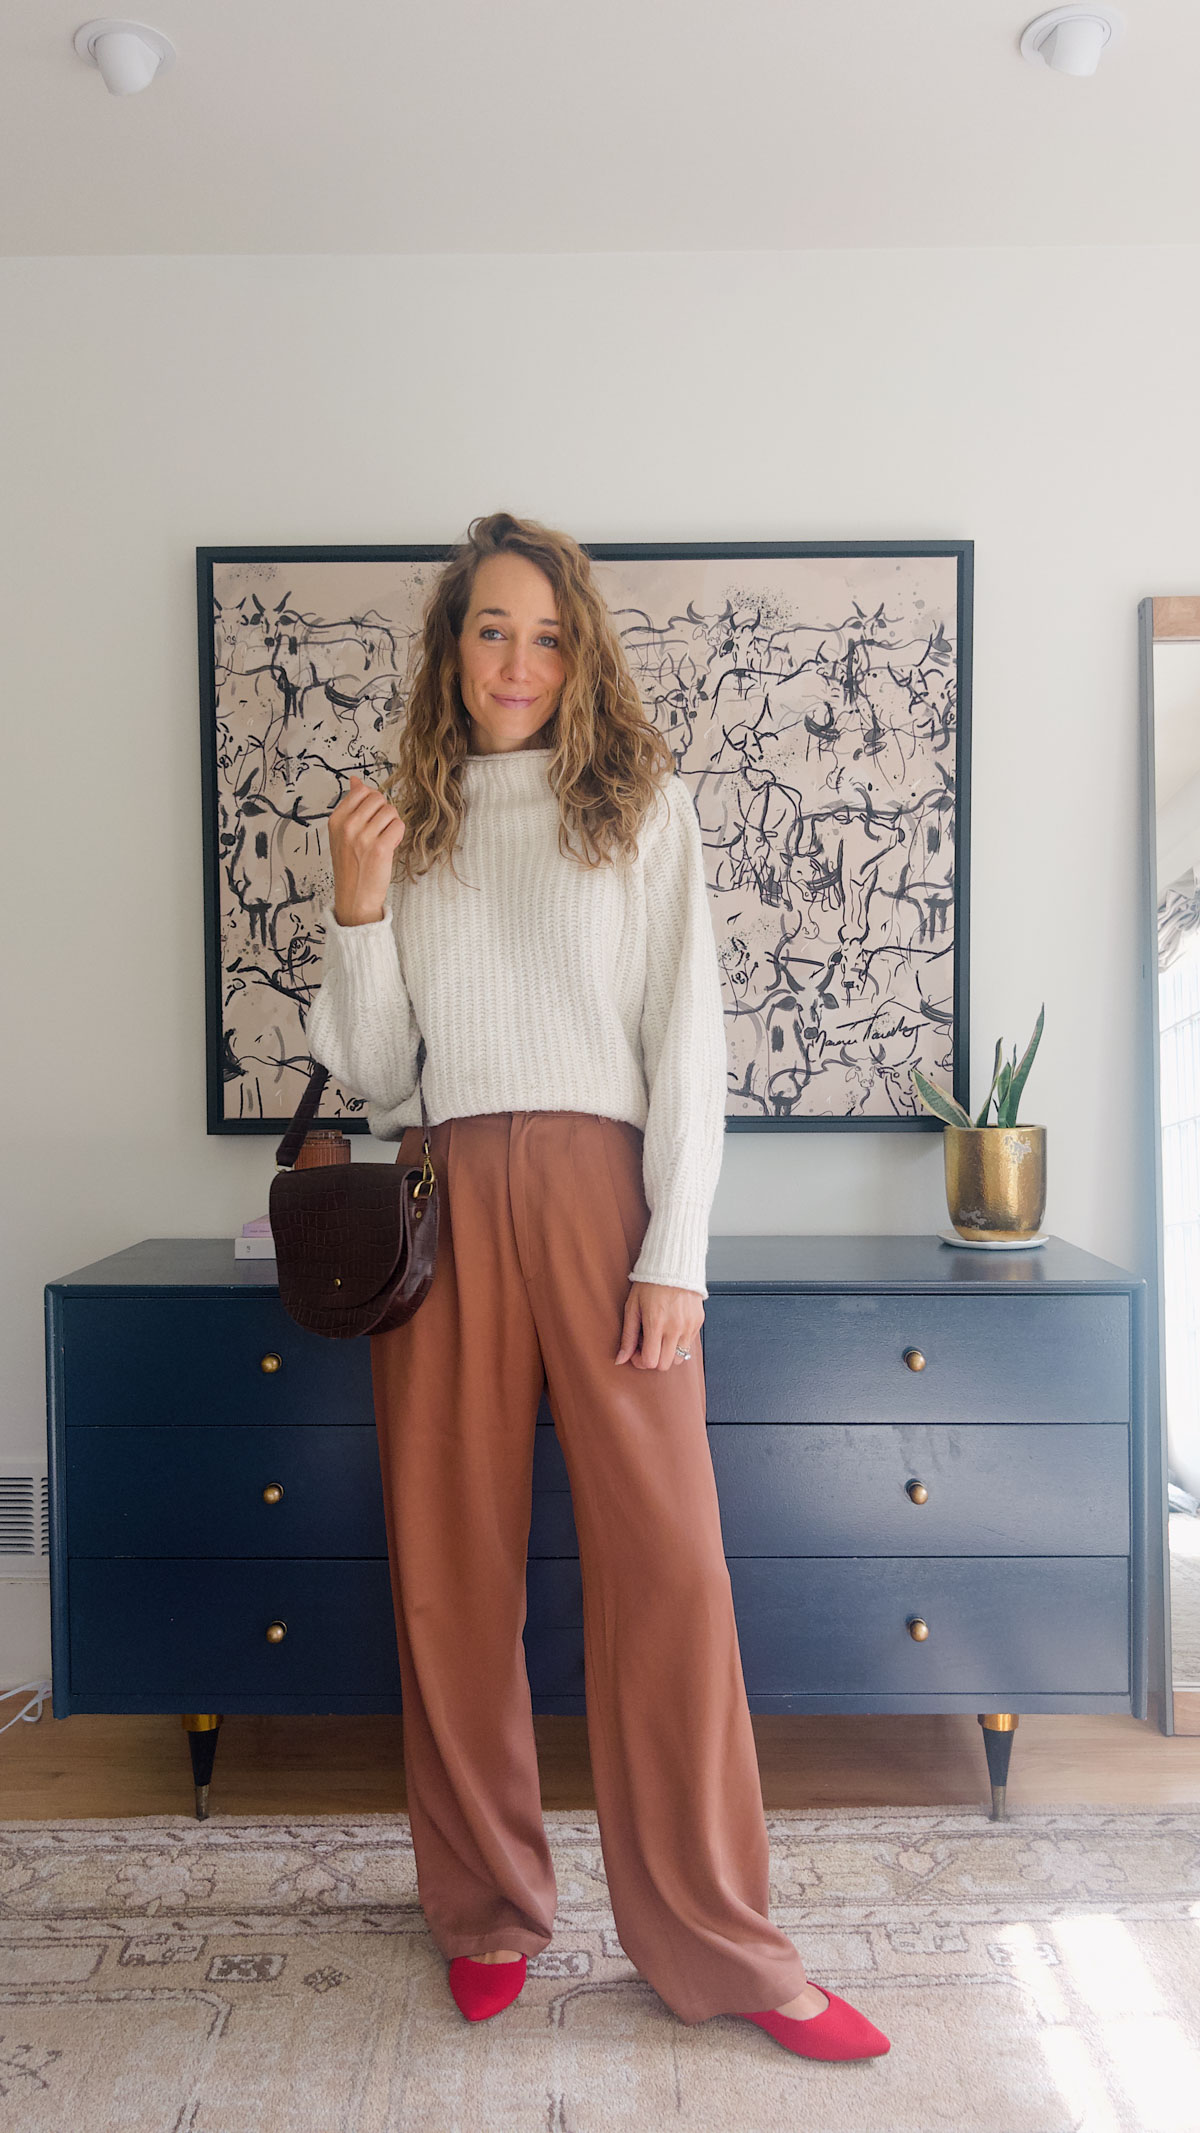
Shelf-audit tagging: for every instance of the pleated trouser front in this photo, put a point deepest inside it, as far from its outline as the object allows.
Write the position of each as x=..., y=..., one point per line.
x=542, y=1215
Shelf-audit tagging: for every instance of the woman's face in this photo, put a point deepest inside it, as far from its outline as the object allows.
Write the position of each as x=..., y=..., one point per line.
x=510, y=667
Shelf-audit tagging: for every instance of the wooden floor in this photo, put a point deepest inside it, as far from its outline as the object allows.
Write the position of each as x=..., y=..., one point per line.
x=301, y=1766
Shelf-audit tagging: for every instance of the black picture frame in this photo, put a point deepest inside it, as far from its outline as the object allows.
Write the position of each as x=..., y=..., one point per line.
x=287, y=1065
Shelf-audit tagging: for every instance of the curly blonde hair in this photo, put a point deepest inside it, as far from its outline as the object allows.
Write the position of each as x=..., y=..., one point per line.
x=609, y=761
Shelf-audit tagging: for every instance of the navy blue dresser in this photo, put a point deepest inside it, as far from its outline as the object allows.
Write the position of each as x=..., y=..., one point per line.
x=932, y=1468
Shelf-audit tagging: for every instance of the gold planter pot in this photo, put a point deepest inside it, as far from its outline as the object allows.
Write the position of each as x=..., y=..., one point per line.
x=995, y=1180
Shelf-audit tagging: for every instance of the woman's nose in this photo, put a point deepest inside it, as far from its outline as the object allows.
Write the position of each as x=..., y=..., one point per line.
x=517, y=661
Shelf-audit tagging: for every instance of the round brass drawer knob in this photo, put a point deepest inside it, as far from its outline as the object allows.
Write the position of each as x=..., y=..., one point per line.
x=914, y=1358
x=271, y=1362
x=917, y=1490
x=276, y=1632
x=273, y=1493
x=917, y=1629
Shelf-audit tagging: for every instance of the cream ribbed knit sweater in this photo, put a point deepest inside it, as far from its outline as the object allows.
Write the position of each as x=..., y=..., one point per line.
x=546, y=986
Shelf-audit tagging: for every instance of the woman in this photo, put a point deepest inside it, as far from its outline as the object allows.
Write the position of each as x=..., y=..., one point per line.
x=546, y=937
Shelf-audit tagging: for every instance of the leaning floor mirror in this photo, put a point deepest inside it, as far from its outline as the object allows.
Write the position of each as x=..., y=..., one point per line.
x=1170, y=691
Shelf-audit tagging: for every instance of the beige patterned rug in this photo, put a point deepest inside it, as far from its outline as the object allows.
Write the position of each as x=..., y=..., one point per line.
x=266, y=1975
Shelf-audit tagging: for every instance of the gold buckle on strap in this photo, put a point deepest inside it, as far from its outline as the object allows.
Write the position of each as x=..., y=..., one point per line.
x=428, y=1178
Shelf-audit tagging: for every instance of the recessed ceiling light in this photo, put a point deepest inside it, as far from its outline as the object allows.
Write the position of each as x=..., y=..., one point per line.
x=129, y=54
x=1071, y=39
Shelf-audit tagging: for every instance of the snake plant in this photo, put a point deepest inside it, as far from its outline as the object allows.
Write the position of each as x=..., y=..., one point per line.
x=1007, y=1083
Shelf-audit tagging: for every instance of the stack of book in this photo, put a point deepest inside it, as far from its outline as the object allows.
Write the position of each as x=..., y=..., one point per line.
x=256, y=1241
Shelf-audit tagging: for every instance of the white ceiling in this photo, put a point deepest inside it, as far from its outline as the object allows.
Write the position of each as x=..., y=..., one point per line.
x=597, y=125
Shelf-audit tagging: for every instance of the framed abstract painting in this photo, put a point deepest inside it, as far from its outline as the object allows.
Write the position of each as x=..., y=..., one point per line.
x=816, y=698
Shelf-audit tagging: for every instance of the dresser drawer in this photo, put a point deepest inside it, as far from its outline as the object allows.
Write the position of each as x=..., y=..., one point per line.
x=554, y=1661
x=554, y=1628
x=552, y=1526
x=840, y=1358
x=552, y=1523
x=199, y=1358
x=998, y=1627
x=197, y=1489
x=995, y=1489
x=195, y=1632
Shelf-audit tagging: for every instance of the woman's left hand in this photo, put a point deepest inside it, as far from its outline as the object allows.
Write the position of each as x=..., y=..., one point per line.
x=665, y=1318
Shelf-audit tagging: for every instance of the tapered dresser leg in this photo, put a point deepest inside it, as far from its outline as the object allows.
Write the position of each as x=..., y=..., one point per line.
x=998, y=1730
x=201, y=1728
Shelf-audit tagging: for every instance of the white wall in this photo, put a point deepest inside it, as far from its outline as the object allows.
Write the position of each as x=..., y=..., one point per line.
x=1041, y=402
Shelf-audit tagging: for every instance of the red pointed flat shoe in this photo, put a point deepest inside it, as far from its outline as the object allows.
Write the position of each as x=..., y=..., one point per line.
x=838, y=2032
x=482, y=1989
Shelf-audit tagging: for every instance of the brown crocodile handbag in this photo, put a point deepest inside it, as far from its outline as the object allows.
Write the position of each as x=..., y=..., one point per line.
x=355, y=1243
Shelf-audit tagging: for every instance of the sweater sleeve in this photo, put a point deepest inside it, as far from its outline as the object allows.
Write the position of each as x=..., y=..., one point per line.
x=683, y=1053
x=361, y=1023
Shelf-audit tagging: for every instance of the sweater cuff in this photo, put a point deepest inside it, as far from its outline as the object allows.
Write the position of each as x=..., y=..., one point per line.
x=674, y=1249
x=361, y=949
x=365, y=956
x=366, y=995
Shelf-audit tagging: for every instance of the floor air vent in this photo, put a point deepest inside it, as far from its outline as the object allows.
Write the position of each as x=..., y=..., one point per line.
x=24, y=1519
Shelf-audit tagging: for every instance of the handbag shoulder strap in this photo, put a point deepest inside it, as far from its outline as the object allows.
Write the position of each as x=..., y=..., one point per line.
x=306, y=1110
x=289, y=1147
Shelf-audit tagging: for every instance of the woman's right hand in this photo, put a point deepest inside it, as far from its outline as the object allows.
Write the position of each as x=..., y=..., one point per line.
x=364, y=832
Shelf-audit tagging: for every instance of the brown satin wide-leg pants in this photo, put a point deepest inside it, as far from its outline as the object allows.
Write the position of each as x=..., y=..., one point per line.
x=542, y=1215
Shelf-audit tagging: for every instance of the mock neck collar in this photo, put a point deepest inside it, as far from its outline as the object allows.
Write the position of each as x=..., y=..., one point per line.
x=511, y=755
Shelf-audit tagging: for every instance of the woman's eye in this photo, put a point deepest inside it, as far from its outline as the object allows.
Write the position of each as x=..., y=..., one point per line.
x=489, y=629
